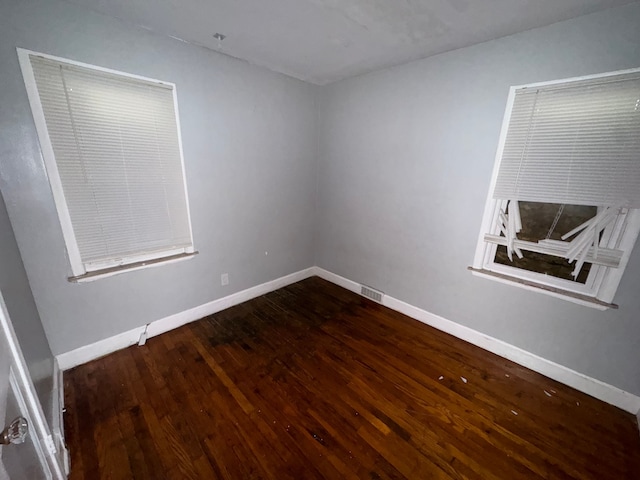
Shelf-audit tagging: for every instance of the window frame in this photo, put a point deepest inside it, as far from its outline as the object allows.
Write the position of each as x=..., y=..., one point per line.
x=602, y=283
x=79, y=269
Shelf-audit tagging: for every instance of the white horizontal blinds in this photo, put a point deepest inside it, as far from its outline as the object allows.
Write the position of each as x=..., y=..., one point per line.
x=115, y=141
x=575, y=143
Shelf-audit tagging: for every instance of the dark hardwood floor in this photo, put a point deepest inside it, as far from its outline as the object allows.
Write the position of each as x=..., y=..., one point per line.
x=312, y=381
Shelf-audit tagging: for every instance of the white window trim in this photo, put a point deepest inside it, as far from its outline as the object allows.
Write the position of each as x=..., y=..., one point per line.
x=80, y=271
x=131, y=267
x=603, y=282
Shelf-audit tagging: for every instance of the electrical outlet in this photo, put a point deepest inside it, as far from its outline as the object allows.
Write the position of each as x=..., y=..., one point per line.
x=224, y=279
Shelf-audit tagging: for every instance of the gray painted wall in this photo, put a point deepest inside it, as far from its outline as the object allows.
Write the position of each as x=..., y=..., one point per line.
x=249, y=145
x=24, y=316
x=405, y=162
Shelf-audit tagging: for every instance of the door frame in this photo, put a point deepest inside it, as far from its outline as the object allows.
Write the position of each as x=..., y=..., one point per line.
x=39, y=429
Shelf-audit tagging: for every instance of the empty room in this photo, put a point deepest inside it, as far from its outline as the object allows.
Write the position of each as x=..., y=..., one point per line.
x=319, y=239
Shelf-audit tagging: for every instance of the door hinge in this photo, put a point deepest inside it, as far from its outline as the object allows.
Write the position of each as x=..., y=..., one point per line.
x=50, y=445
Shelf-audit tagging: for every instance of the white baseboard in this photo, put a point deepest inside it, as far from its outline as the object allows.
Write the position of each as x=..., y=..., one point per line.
x=99, y=349
x=600, y=390
x=109, y=345
x=182, y=318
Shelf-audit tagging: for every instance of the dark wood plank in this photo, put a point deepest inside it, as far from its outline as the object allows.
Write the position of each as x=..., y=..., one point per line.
x=312, y=381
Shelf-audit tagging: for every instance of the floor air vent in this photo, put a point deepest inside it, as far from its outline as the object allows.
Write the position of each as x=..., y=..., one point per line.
x=371, y=293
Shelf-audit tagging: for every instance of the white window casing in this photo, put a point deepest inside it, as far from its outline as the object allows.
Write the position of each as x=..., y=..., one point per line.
x=113, y=153
x=574, y=142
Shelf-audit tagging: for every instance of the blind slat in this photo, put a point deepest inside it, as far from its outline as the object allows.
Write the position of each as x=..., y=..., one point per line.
x=576, y=143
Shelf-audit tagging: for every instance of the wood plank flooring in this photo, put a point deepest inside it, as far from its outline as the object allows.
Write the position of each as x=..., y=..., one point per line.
x=312, y=381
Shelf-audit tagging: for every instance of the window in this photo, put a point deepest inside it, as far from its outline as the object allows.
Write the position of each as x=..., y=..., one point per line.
x=563, y=211
x=112, y=150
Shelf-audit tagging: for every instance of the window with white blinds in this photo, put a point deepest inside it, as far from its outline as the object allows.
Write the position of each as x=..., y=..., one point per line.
x=576, y=144
x=117, y=170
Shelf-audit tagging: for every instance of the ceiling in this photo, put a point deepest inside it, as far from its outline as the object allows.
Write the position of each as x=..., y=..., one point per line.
x=321, y=41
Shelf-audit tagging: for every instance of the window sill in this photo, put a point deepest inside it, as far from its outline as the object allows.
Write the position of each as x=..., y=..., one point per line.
x=109, y=272
x=574, y=297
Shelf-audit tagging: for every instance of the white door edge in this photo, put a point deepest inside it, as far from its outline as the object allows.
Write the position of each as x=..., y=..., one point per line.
x=40, y=430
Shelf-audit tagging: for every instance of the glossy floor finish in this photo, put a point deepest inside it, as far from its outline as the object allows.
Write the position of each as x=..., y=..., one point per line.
x=313, y=381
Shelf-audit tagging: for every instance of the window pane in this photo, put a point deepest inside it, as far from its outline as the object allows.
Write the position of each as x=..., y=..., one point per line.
x=537, y=220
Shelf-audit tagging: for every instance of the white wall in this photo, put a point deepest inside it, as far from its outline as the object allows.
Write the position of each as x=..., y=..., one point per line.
x=405, y=162
x=249, y=145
